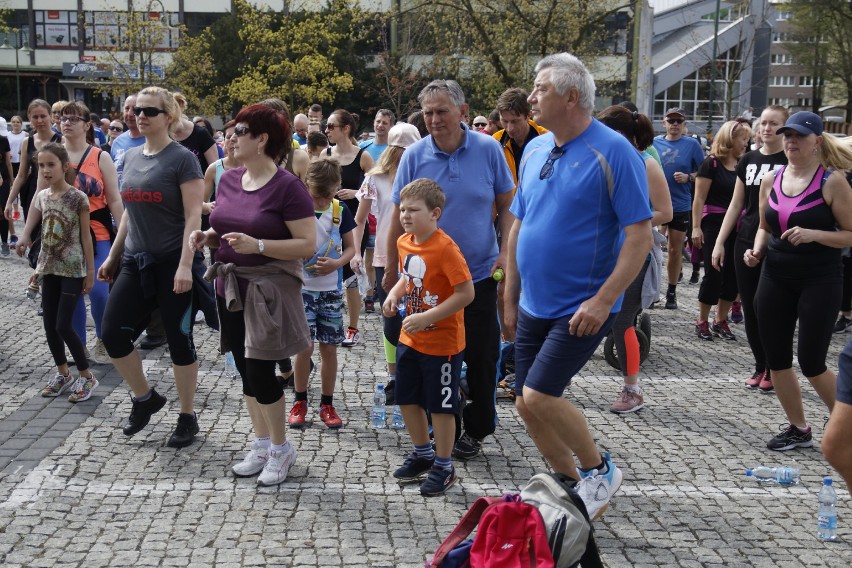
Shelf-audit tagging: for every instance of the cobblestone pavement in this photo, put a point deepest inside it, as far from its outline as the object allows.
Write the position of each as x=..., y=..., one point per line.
x=75, y=492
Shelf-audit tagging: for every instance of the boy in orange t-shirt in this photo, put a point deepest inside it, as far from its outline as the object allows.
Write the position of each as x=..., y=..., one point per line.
x=435, y=285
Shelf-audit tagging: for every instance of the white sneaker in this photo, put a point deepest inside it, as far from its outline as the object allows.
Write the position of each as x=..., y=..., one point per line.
x=253, y=463
x=597, y=489
x=277, y=465
x=99, y=354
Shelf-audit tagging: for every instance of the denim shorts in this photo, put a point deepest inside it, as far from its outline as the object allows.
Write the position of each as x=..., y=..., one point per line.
x=429, y=381
x=325, y=316
x=547, y=356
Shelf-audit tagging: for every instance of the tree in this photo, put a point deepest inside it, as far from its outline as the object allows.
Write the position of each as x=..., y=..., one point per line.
x=824, y=45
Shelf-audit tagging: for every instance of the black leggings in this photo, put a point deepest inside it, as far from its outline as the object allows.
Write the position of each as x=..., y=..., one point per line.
x=128, y=310
x=259, y=380
x=846, y=298
x=747, y=280
x=779, y=303
x=59, y=296
x=482, y=350
x=626, y=318
x=4, y=224
x=391, y=326
x=716, y=284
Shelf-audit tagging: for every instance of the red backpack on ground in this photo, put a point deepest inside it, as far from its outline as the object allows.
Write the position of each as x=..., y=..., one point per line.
x=509, y=534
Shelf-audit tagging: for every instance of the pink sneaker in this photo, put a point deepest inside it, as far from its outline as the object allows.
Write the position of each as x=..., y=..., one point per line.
x=754, y=381
x=627, y=401
x=765, y=385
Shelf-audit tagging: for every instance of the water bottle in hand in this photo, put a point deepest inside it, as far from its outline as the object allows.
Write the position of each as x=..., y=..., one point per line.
x=827, y=515
x=230, y=365
x=401, y=306
x=396, y=420
x=377, y=415
x=779, y=475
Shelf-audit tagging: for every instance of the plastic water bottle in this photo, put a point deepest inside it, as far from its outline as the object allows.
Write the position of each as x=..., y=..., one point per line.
x=377, y=415
x=827, y=516
x=401, y=306
x=779, y=475
x=396, y=420
x=230, y=366
x=32, y=291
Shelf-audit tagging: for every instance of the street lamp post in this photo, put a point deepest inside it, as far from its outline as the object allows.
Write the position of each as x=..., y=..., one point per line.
x=25, y=50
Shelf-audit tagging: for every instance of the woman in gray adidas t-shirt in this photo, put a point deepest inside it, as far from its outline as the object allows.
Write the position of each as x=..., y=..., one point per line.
x=162, y=189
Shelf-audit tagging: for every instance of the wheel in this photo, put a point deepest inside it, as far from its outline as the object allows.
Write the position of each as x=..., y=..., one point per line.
x=645, y=325
x=611, y=355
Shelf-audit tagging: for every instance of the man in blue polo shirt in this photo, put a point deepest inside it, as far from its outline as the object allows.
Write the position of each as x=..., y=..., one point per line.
x=473, y=173
x=581, y=235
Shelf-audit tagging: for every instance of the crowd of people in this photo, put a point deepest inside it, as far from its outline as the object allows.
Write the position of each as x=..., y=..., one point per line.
x=269, y=233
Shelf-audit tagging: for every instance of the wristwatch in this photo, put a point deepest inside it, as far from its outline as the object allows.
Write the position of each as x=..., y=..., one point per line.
x=260, y=246
x=690, y=178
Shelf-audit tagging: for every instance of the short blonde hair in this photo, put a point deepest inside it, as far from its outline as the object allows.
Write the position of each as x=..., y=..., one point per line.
x=425, y=189
x=170, y=105
x=323, y=177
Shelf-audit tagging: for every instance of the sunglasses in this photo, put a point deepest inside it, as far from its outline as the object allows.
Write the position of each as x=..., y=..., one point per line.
x=150, y=112
x=331, y=126
x=547, y=168
x=241, y=131
x=116, y=129
x=675, y=120
x=73, y=119
x=480, y=124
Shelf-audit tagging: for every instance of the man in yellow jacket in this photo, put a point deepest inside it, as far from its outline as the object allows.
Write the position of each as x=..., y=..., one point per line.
x=518, y=129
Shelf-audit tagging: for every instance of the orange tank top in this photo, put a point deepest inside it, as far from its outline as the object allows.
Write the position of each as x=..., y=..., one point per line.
x=90, y=181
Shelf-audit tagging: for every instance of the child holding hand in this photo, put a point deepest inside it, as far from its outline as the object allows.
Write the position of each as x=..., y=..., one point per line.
x=65, y=266
x=436, y=285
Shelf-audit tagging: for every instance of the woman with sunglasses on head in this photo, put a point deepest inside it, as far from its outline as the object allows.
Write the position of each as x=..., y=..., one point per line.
x=743, y=218
x=354, y=164
x=94, y=174
x=805, y=221
x=639, y=130
x=259, y=278
x=150, y=262
x=714, y=186
x=26, y=182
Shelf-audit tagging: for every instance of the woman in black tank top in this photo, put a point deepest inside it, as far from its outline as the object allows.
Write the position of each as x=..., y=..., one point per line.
x=354, y=164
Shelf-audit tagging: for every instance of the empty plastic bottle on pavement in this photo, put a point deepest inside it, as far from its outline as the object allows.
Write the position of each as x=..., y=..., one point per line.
x=779, y=475
x=377, y=415
x=827, y=516
x=396, y=420
x=230, y=366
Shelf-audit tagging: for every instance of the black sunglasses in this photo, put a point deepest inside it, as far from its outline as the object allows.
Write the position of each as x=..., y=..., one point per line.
x=675, y=120
x=547, y=168
x=241, y=131
x=116, y=129
x=480, y=124
x=150, y=112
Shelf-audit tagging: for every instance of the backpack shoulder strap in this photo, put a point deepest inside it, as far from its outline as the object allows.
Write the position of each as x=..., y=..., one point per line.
x=336, y=211
x=463, y=529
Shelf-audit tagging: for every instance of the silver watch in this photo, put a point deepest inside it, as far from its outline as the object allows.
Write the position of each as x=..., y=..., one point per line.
x=260, y=246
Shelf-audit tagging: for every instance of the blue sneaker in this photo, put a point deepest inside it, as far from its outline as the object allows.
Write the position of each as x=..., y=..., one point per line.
x=413, y=467
x=596, y=489
x=438, y=481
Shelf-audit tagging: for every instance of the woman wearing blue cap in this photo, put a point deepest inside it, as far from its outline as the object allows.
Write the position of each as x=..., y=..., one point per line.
x=805, y=221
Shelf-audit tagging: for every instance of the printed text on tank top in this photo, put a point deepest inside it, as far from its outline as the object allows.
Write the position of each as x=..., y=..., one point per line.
x=786, y=205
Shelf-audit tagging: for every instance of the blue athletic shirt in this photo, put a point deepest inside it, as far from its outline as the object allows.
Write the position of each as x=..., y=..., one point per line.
x=572, y=227
x=471, y=178
x=682, y=155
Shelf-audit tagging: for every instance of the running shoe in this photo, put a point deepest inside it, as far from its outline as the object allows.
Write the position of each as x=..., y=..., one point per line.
x=789, y=438
x=737, y=312
x=253, y=463
x=413, y=467
x=597, y=489
x=843, y=323
x=766, y=385
x=142, y=411
x=369, y=305
x=467, y=447
x=185, y=431
x=56, y=385
x=297, y=414
x=438, y=481
x=696, y=274
x=4, y=249
x=99, y=353
x=353, y=336
x=329, y=415
x=754, y=381
x=721, y=329
x=627, y=401
x=277, y=466
x=702, y=330
x=671, y=300
x=13, y=240
x=83, y=388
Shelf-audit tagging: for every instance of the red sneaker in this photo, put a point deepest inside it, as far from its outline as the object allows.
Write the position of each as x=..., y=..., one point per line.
x=754, y=381
x=297, y=414
x=765, y=385
x=329, y=415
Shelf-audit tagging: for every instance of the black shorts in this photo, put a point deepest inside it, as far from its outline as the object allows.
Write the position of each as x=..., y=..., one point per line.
x=844, y=375
x=680, y=221
x=429, y=381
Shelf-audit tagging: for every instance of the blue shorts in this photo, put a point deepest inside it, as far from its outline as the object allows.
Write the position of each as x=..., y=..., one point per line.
x=547, y=356
x=429, y=381
x=371, y=241
x=844, y=375
x=325, y=316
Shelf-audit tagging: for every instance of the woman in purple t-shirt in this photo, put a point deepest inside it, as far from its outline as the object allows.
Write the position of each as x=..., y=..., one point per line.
x=258, y=284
